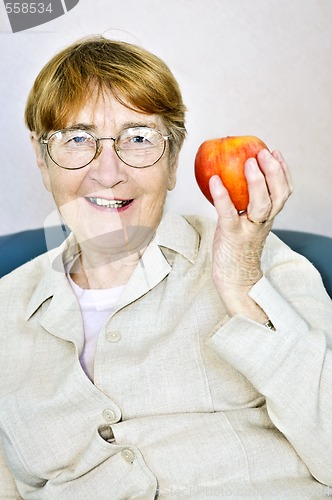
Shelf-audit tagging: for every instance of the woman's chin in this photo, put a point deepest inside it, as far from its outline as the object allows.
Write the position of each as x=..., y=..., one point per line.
x=117, y=244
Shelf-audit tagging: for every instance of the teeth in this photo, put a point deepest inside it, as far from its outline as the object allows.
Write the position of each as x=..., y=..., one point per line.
x=101, y=202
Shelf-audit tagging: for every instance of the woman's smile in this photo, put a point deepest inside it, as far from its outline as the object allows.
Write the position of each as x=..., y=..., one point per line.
x=105, y=204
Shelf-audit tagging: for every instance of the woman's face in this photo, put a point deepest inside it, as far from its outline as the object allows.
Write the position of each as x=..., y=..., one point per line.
x=85, y=197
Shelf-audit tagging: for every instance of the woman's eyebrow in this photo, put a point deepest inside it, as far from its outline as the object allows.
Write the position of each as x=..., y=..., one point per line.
x=92, y=128
x=81, y=126
x=149, y=124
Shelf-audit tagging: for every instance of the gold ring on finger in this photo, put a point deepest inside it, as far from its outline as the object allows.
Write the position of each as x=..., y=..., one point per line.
x=258, y=223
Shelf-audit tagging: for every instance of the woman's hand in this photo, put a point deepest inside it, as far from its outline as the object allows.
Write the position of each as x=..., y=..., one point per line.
x=240, y=238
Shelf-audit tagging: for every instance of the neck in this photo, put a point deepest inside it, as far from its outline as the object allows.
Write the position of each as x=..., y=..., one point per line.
x=89, y=274
x=109, y=259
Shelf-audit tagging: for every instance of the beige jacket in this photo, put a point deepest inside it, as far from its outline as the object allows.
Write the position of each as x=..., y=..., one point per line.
x=186, y=403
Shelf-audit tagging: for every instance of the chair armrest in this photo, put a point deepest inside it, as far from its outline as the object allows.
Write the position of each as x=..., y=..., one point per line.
x=315, y=247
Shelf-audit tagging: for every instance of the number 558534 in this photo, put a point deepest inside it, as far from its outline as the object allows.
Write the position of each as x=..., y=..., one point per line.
x=28, y=8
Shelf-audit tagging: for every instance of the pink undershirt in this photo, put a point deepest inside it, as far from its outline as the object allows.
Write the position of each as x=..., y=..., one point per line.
x=96, y=307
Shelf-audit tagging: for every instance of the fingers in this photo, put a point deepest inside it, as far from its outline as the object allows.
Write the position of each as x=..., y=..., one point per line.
x=269, y=185
x=260, y=203
x=285, y=168
x=277, y=178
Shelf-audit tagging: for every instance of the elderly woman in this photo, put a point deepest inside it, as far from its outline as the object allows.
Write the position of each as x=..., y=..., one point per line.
x=155, y=355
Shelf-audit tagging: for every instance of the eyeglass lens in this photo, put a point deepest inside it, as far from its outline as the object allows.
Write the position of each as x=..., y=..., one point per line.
x=136, y=146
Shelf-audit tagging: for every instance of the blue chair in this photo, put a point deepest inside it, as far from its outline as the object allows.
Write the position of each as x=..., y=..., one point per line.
x=315, y=247
x=18, y=248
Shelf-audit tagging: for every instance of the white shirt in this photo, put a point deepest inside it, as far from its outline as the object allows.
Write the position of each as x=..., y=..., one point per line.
x=96, y=307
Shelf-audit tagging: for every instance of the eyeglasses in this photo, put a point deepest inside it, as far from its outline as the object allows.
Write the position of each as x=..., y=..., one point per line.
x=137, y=147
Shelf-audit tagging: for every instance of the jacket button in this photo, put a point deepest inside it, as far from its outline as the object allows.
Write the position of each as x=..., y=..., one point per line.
x=128, y=455
x=109, y=416
x=113, y=336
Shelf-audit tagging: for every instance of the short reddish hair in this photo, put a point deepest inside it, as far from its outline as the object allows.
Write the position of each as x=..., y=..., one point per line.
x=126, y=70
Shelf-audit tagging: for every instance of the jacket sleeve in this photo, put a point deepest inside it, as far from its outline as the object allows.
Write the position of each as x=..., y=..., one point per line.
x=8, y=490
x=292, y=366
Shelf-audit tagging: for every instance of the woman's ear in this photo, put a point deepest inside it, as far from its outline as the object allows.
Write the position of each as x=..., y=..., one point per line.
x=172, y=173
x=41, y=160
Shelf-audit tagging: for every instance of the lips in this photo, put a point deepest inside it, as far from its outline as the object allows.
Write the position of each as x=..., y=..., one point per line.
x=112, y=204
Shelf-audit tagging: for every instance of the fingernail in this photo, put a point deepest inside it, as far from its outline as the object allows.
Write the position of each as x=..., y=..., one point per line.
x=251, y=163
x=215, y=184
x=264, y=152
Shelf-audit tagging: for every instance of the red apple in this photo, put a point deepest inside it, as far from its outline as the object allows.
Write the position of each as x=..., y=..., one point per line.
x=226, y=157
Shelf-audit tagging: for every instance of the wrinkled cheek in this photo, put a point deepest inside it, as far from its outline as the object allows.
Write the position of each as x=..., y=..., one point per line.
x=155, y=210
x=72, y=213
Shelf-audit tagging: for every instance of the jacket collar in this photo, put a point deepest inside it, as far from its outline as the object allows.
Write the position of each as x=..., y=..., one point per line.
x=174, y=235
x=177, y=234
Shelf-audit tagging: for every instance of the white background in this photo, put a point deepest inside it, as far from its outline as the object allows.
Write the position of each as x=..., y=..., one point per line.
x=246, y=67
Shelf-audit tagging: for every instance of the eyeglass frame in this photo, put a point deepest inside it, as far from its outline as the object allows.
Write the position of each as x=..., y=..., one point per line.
x=99, y=148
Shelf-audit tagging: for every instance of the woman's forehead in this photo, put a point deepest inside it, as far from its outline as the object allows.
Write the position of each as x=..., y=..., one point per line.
x=106, y=110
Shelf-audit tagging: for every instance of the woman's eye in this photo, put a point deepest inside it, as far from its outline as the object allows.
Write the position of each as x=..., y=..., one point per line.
x=139, y=139
x=78, y=139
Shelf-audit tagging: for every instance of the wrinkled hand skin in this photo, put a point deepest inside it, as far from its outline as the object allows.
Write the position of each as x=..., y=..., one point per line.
x=238, y=243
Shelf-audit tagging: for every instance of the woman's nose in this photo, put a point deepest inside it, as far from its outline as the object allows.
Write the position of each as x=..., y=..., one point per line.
x=100, y=145
x=108, y=168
